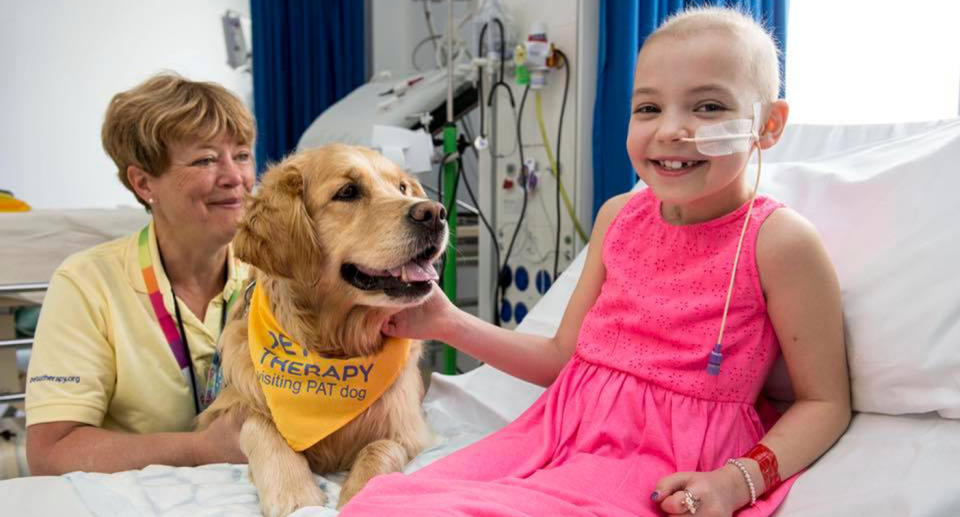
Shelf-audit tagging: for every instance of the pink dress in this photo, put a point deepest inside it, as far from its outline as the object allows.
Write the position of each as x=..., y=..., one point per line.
x=635, y=403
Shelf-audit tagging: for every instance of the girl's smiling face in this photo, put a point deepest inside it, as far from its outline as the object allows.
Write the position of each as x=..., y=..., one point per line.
x=680, y=84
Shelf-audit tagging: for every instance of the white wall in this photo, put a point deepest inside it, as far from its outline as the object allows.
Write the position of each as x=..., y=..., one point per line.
x=398, y=25
x=62, y=61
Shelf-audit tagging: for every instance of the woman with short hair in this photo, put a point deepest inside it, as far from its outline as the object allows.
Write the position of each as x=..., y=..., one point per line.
x=128, y=328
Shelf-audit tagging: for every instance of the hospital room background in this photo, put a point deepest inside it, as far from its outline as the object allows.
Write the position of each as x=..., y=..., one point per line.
x=524, y=127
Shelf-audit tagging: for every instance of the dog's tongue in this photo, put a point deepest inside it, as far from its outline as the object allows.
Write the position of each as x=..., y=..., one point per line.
x=418, y=272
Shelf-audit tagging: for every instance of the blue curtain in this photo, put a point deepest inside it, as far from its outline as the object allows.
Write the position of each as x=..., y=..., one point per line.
x=307, y=54
x=624, y=25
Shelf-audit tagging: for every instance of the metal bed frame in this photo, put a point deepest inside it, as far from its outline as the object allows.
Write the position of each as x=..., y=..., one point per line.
x=23, y=342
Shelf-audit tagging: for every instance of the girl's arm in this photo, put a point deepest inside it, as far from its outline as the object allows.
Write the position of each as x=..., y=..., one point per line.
x=532, y=358
x=804, y=305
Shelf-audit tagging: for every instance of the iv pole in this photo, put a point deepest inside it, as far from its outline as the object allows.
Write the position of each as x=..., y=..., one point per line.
x=450, y=193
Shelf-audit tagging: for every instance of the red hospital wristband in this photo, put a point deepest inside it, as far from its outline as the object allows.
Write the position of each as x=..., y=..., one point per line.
x=768, y=465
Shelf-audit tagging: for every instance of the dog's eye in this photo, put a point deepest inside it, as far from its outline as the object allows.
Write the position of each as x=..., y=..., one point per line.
x=403, y=188
x=347, y=192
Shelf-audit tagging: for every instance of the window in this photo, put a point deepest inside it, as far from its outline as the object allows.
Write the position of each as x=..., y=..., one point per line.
x=873, y=61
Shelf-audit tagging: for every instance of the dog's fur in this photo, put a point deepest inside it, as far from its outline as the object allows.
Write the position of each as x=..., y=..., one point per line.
x=313, y=213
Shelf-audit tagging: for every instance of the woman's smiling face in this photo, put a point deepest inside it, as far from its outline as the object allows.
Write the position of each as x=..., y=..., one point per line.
x=202, y=191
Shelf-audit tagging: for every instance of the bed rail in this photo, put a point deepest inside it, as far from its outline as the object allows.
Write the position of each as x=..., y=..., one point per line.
x=31, y=287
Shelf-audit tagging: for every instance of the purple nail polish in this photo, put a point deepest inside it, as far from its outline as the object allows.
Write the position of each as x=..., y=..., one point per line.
x=655, y=495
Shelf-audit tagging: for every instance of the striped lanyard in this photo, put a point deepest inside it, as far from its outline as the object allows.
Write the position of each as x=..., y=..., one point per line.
x=174, y=332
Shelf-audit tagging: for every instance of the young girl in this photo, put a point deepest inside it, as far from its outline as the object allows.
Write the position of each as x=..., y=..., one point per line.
x=634, y=423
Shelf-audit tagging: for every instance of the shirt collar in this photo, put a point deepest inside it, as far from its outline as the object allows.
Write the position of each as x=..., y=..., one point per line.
x=237, y=273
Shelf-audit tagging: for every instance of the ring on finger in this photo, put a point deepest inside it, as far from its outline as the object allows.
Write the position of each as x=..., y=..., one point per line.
x=691, y=502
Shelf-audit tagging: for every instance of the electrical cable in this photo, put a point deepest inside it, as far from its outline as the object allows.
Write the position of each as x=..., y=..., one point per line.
x=493, y=90
x=523, y=184
x=493, y=236
x=553, y=164
x=466, y=183
x=499, y=82
x=563, y=108
x=480, y=100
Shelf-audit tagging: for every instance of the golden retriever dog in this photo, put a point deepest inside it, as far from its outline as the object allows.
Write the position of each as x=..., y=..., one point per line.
x=341, y=239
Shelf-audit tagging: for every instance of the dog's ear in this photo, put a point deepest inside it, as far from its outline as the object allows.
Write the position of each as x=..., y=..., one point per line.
x=277, y=232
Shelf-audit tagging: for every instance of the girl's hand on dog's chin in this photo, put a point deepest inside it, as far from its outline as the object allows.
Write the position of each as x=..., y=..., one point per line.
x=220, y=442
x=424, y=321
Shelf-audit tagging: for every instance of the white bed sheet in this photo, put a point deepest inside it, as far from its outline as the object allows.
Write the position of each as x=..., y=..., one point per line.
x=884, y=466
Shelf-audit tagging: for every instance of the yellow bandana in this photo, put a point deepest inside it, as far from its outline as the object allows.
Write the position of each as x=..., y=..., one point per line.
x=309, y=396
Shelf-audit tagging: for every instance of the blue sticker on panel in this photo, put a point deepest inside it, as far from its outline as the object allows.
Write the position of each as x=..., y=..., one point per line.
x=506, y=311
x=520, y=312
x=522, y=278
x=543, y=281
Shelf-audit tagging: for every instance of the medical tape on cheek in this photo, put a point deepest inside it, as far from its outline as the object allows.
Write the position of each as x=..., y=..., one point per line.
x=729, y=136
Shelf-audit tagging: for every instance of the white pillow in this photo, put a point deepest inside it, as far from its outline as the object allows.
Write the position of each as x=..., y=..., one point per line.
x=888, y=213
x=886, y=200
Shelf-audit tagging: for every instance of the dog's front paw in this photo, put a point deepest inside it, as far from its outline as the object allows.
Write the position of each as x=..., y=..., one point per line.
x=284, y=500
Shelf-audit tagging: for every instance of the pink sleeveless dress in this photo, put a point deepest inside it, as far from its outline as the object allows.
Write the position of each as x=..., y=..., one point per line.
x=635, y=403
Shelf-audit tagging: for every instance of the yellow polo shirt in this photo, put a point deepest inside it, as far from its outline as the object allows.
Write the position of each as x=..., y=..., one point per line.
x=100, y=357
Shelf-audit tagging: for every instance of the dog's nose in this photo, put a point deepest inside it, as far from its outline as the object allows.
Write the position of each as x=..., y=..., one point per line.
x=428, y=213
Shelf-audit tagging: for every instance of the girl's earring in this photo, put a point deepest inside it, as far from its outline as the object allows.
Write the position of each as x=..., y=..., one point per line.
x=150, y=201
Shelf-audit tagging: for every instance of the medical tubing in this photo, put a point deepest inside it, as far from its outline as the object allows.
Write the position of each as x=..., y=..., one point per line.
x=553, y=165
x=413, y=56
x=736, y=258
x=493, y=237
x=523, y=185
x=499, y=82
x=503, y=42
x=430, y=29
x=480, y=99
x=563, y=109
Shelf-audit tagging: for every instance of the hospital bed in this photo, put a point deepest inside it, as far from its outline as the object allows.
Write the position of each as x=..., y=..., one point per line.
x=884, y=198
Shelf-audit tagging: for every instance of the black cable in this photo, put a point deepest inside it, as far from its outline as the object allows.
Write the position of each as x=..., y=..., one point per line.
x=503, y=57
x=523, y=184
x=563, y=107
x=513, y=105
x=480, y=99
x=493, y=237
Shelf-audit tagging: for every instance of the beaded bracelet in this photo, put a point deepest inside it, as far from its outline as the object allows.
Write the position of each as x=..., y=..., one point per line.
x=747, y=478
